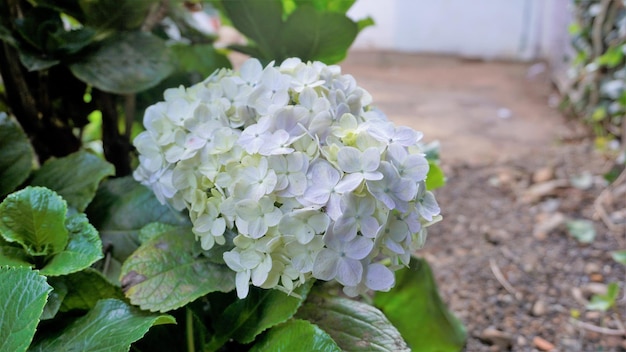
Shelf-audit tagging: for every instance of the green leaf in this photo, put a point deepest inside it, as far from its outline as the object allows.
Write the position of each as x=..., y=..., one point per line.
x=35, y=218
x=436, y=177
x=244, y=319
x=85, y=289
x=339, y=6
x=582, y=230
x=36, y=62
x=259, y=20
x=74, y=177
x=619, y=256
x=313, y=35
x=111, y=325
x=612, y=58
x=416, y=310
x=167, y=272
x=83, y=249
x=115, y=14
x=126, y=63
x=201, y=59
x=14, y=255
x=121, y=208
x=55, y=298
x=606, y=301
x=16, y=155
x=355, y=326
x=23, y=294
x=296, y=335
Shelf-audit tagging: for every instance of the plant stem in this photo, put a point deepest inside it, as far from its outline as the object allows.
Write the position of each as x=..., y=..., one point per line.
x=189, y=329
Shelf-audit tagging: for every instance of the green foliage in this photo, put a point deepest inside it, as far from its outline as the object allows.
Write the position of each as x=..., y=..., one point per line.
x=122, y=64
x=596, y=90
x=619, y=256
x=168, y=271
x=16, y=155
x=582, y=230
x=436, y=178
x=84, y=289
x=317, y=30
x=77, y=187
x=112, y=325
x=23, y=295
x=604, y=302
x=416, y=310
x=244, y=319
x=354, y=325
x=35, y=219
x=296, y=335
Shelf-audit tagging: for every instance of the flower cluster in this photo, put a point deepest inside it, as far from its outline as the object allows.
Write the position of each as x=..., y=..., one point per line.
x=313, y=181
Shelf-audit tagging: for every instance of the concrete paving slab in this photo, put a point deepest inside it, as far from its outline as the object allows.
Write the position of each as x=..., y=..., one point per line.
x=481, y=112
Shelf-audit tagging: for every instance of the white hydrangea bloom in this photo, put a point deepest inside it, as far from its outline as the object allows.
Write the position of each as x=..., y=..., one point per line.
x=292, y=158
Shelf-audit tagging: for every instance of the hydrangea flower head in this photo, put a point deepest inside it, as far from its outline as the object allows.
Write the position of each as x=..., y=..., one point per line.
x=314, y=182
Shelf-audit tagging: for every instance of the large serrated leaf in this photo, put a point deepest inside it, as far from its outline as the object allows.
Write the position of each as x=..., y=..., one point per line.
x=313, y=35
x=23, y=294
x=16, y=155
x=74, y=177
x=121, y=208
x=85, y=289
x=296, y=335
x=83, y=248
x=167, y=272
x=35, y=218
x=355, y=326
x=126, y=63
x=111, y=325
x=416, y=310
x=244, y=319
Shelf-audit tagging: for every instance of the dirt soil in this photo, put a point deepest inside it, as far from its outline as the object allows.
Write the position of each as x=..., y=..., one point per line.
x=518, y=171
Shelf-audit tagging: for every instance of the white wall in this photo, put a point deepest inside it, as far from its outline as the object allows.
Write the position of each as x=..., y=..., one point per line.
x=489, y=29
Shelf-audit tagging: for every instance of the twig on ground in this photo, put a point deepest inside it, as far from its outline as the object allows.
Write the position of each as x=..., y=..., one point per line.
x=502, y=280
x=598, y=329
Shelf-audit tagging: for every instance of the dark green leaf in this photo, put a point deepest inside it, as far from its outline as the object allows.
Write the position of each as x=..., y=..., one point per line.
x=121, y=208
x=435, y=178
x=70, y=7
x=35, y=62
x=74, y=177
x=83, y=249
x=115, y=14
x=23, y=294
x=313, y=35
x=355, y=326
x=55, y=298
x=126, y=63
x=416, y=310
x=619, y=256
x=16, y=155
x=35, y=218
x=259, y=20
x=166, y=272
x=296, y=335
x=201, y=59
x=85, y=289
x=111, y=325
x=12, y=254
x=244, y=319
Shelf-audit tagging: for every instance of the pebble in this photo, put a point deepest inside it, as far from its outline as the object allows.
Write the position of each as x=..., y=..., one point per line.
x=496, y=337
x=597, y=277
x=539, y=308
x=594, y=288
x=592, y=268
x=543, y=189
x=544, y=174
x=542, y=344
x=546, y=224
x=496, y=236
